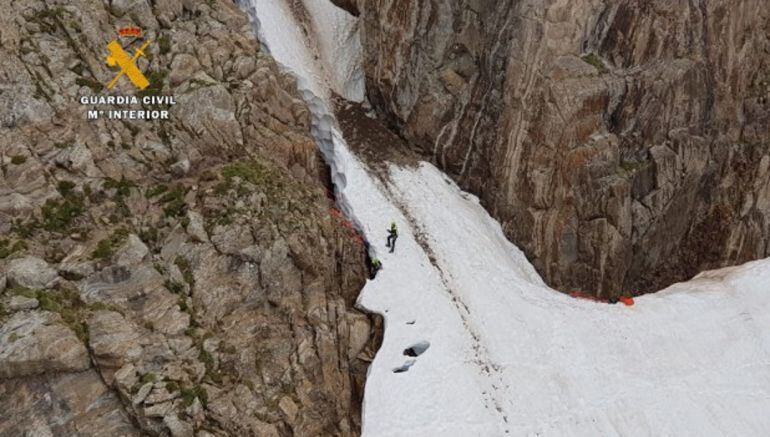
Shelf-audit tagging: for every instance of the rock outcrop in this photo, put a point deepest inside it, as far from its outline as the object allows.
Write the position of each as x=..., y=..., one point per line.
x=179, y=277
x=39, y=342
x=622, y=145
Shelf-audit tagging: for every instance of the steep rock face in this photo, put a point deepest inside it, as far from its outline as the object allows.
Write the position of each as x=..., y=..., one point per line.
x=168, y=277
x=622, y=145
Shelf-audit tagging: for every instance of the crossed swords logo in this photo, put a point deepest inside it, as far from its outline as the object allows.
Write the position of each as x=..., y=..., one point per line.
x=118, y=56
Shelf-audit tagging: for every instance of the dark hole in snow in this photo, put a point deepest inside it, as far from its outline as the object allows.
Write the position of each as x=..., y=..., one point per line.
x=417, y=349
x=411, y=322
x=404, y=368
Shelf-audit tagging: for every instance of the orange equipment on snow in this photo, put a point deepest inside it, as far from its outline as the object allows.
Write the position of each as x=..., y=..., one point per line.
x=626, y=300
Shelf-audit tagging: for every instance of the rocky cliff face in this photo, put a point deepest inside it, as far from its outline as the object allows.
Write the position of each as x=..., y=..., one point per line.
x=623, y=145
x=168, y=277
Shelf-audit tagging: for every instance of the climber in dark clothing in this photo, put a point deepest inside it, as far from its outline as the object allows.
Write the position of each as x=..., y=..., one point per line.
x=376, y=266
x=392, y=236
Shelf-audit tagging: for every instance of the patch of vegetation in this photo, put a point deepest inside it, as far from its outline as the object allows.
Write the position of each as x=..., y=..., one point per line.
x=288, y=202
x=23, y=291
x=172, y=386
x=94, y=85
x=78, y=69
x=123, y=186
x=164, y=44
x=224, y=218
x=160, y=268
x=278, y=187
x=189, y=395
x=186, y=269
x=65, y=188
x=184, y=307
x=71, y=276
x=122, y=191
x=57, y=12
x=65, y=302
x=18, y=159
x=106, y=248
x=595, y=61
x=196, y=84
x=207, y=359
x=102, y=306
x=174, y=200
x=155, y=191
x=212, y=373
x=7, y=249
x=149, y=377
x=58, y=215
x=24, y=229
x=174, y=287
x=149, y=235
x=48, y=19
x=631, y=166
x=253, y=171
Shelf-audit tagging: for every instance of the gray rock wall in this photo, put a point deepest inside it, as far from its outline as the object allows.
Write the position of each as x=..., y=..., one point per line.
x=623, y=145
x=168, y=278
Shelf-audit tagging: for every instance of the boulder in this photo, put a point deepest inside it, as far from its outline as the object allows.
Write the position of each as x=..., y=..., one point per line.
x=196, y=228
x=114, y=342
x=39, y=342
x=30, y=272
x=133, y=252
x=21, y=303
x=180, y=168
x=176, y=427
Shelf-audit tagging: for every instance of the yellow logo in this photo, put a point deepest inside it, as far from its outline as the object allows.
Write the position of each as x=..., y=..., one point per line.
x=127, y=64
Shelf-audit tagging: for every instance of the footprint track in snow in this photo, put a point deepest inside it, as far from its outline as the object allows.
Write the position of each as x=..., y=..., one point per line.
x=487, y=368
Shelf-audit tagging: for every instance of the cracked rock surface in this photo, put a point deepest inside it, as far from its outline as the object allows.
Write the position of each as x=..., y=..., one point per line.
x=173, y=278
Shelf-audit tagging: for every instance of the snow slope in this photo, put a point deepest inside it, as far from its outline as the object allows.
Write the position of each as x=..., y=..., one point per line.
x=316, y=41
x=691, y=360
x=505, y=354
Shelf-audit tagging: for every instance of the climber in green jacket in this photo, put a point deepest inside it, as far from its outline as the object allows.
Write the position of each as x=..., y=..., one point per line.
x=392, y=236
